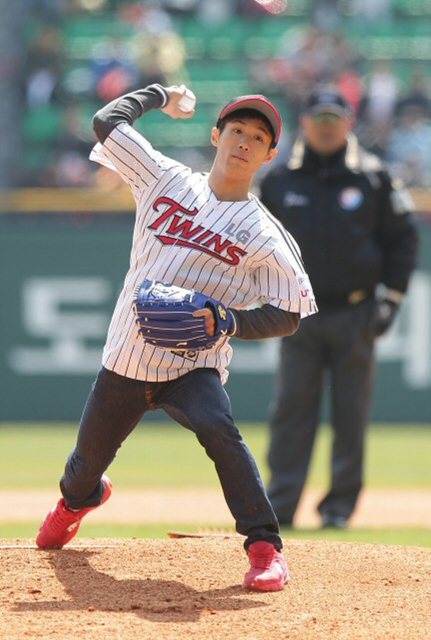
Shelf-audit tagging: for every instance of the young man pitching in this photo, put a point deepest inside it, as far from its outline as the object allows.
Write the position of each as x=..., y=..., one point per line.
x=195, y=233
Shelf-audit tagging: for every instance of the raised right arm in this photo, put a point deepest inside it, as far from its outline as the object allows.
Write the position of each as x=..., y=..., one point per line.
x=128, y=108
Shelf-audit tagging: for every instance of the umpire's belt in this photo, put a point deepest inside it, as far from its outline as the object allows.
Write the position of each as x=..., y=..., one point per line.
x=357, y=296
x=352, y=298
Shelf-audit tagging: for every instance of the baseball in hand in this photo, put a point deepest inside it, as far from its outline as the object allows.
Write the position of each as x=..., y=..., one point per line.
x=187, y=102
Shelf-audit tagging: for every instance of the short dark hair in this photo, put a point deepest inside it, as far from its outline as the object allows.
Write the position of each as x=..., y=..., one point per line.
x=246, y=113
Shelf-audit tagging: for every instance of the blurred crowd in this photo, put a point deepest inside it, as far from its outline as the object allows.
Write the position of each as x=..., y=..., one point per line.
x=393, y=115
x=393, y=119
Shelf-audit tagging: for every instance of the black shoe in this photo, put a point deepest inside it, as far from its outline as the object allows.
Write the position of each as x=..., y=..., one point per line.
x=333, y=522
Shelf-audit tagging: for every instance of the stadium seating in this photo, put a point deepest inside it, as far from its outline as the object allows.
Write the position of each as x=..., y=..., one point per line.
x=219, y=60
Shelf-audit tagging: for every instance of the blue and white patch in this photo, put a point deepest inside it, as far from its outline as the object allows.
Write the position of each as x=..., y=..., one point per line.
x=293, y=199
x=351, y=198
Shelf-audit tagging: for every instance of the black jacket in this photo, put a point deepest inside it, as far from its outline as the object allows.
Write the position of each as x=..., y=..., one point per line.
x=352, y=222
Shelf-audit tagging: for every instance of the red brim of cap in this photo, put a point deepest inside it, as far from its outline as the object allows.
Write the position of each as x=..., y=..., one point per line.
x=260, y=104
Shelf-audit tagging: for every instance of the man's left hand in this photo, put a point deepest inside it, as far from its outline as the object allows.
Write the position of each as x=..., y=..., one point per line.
x=210, y=323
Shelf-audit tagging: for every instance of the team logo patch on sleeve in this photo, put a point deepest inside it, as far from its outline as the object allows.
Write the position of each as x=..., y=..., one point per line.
x=304, y=286
x=350, y=198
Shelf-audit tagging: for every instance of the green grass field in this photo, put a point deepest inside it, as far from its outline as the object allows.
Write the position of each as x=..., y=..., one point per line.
x=410, y=536
x=165, y=455
x=162, y=454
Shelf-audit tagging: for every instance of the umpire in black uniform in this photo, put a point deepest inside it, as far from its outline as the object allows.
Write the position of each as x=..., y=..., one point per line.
x=357, y=236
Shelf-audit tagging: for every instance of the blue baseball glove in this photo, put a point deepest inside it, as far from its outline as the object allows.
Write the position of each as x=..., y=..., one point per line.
x=164, y=315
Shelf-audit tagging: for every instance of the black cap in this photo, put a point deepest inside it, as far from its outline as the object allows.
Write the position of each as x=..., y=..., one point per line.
x=327, y=99
x=257, y=103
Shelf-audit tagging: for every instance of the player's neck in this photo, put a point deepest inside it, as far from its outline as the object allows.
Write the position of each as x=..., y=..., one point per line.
x=226, y=188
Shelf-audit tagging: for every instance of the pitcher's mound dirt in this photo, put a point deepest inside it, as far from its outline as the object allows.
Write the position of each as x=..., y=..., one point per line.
x=191, y=589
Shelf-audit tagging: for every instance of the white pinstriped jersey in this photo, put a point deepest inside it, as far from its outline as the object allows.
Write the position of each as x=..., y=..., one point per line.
x=235, y=252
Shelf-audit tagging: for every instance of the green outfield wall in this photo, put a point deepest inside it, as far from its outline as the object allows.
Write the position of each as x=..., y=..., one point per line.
x=60, y=276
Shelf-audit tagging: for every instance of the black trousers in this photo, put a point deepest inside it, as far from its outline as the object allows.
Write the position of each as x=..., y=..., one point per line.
x=338, y=343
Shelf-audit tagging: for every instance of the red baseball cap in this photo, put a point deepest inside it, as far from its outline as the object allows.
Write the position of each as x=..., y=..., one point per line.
x=257, y=103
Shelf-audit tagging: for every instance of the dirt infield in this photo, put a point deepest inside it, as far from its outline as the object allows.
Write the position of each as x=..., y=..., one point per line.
x=191, y=589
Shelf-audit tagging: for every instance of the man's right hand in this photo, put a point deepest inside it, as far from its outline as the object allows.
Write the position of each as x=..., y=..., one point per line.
x=172, y=109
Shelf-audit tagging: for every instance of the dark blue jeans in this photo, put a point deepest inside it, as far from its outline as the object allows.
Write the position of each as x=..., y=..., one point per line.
x=198, y=402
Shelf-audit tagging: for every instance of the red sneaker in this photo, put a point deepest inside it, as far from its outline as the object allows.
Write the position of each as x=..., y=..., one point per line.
x=62, y=524
x=268, y=571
